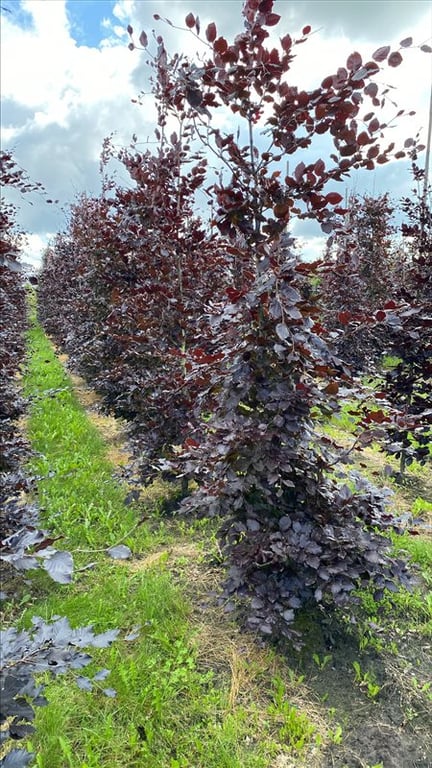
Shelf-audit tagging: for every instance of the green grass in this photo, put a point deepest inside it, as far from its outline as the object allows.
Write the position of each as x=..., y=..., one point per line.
x=76, y=490
x=173, y=709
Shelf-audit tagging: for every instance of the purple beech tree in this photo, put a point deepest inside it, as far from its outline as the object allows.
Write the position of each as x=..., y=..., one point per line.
x=13, y=325
x=408, y=384
x=364, y=265
x=292, y=535
x=144, y=269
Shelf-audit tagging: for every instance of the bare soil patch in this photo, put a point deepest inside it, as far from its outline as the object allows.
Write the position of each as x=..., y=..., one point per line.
x=392, y=728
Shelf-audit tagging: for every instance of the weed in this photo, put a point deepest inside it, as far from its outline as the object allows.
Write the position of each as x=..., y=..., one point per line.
x=295, y=729
x=336, y=735
x=294, y=679
x=322, y=662
x=366, y=680
x=388, y=362
x=421, y=507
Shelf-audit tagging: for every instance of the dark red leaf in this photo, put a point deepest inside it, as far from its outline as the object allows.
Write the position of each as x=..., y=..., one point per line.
x=354, y=61
x=286, y=43
x=272, y=19
x=190, y=20
x=317, y=201
x=380, y=315
x=406, y=42
x=143, y=39
x=371, y=89
x=326, y=83
x=371, y=67
x=334, y=198
x=129, y=29
x=281, y=210
x=306, y=29
x=211, y=32
x=378, y=417
x=395, y=59
x=348, y=150
x=426, y=48
x=298, y=173
x=221, y=45
x=332, y=388
x=234, y=294
x=381, y=53
x=344, y=317
x=363, y=138
x=191, y=443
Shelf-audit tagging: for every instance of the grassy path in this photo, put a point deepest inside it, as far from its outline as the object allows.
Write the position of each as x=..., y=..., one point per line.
x=187, y=695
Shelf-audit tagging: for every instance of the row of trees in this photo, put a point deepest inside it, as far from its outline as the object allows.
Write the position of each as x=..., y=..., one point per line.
x=47, y=646
x=218, y=345
x=13, y=314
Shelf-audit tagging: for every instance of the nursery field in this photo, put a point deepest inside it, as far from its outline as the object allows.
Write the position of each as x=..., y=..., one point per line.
x=215, y=448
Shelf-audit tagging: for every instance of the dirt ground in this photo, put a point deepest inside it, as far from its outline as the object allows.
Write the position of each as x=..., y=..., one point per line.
x=394, y=728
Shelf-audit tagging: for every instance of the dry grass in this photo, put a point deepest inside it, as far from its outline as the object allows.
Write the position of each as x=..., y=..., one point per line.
x=235, y=657
x=112, y=430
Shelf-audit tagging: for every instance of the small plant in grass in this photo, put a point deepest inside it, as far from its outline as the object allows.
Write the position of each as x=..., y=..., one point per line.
x=322, y=661
x=389, y=361
x=296, y=730
x=421, y=507
x=366, y=681
x=336, y=735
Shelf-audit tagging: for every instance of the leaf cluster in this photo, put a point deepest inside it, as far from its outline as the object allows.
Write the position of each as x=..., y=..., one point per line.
x=48, y=647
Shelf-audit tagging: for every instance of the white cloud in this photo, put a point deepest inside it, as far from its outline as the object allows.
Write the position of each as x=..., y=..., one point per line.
x=312, y=248
x=34, y=248
x=55, y=74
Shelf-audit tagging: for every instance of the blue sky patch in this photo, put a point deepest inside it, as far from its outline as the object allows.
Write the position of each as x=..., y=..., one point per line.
x=85, y=18
x=14, y=11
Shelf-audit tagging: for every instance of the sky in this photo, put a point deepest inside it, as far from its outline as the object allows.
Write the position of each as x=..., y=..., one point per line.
x=68, y=81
